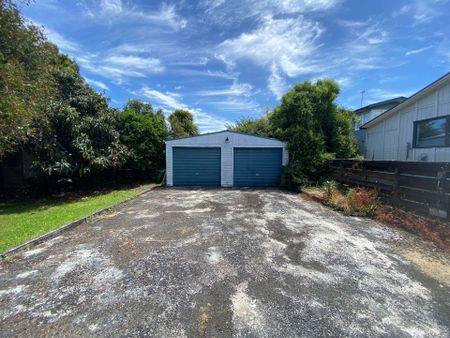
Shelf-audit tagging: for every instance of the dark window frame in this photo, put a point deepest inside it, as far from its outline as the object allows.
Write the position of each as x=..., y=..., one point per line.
x=447, y=132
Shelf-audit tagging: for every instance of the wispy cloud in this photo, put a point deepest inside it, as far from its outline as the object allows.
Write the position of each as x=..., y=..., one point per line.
x=232, y=12
x=111, y=6
x=422, y=11
x=119, y=67
x=417, y=51
x=378, y=94
x=172, y=101
x=97, y=84
x=291, y=42
x=236, y=89
x=276, y=83
x=107, y=10
x=132, y=63
x=243, y=106
x=63, y=43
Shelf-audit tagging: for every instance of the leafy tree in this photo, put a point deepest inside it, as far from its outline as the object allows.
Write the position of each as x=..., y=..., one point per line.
x=26, y=84
x=345, y=144
x=314, y=128
x=138, y=107
x=260, y=126
x=182, y=124
x=144, y=134
x=76, y=134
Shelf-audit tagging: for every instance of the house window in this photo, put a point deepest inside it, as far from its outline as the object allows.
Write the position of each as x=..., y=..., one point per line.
x=432, y=132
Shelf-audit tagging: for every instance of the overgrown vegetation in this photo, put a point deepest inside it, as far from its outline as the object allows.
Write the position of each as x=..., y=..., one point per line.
x=260, y=126
x=182, y=124
x=313, y=126
x=365, y=202
x=48, y=110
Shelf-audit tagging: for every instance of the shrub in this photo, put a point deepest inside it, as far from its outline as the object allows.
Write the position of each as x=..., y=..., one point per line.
x=292, y=179
x=362, y=200
x=315, y=129
x=329, y=187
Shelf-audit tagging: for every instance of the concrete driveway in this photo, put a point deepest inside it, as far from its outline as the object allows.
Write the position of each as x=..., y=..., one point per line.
x=259, y=263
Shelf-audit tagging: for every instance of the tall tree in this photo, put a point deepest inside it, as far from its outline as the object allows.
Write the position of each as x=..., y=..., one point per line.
x=26, y=84
x=77, y=134
x=138, y=107
x=182, y=124
x=143, y=132
x=314, y=127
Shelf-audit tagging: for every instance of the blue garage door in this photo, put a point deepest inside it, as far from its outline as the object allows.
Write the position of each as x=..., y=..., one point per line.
x=257, y=167
x=193, y=166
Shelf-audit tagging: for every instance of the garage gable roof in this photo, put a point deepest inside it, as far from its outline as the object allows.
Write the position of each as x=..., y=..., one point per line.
x=223, y=131
x=413, y=98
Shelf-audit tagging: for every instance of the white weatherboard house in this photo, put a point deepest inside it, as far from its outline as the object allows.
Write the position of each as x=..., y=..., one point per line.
x=418, y=129
x=225, y=159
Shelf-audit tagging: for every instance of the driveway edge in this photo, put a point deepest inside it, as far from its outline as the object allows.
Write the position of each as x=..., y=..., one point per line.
x=51, y=234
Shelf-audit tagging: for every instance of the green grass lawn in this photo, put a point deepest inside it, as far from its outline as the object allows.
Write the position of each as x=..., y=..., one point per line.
x=22, y=221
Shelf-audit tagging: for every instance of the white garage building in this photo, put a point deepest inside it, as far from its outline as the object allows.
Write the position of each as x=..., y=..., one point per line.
x=418, y=129
x=225, y=159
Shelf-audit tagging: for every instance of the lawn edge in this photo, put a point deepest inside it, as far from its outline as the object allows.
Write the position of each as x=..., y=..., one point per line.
x=68, y=226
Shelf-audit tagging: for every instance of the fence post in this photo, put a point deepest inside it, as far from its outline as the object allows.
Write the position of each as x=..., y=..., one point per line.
x=396, y=185
x=446, y=189
x=441, y=178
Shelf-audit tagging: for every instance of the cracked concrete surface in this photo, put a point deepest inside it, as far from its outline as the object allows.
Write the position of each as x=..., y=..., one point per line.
x=259, y=263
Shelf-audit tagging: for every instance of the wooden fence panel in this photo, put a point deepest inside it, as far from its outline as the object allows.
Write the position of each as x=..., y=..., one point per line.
x=421, y=185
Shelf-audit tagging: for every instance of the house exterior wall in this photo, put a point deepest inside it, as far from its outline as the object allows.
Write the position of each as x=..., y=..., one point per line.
x=392, y=137
x=236, y=140
x=363, y=118
x=370, y=114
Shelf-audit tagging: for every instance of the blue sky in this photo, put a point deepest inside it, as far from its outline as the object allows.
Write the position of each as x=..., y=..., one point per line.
x=224, y=60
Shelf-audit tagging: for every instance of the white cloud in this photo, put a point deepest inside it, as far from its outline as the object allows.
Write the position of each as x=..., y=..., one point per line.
x=417, y=51
x=276, y=82
x=444, y=51
x=119, y=68
x=171, y=101
x=129, y=62
x=63, y=43
x=235, y=105
x=288, y=43
x=373, y=34
x=112, y=10
x=97, y=84
x=231, y=12
x=167, y=14
x=376, y=95
x=236, y=89
x=364, y=49
x=421, y=11
x=111, y=6
x=208, y=73
x=166, y=100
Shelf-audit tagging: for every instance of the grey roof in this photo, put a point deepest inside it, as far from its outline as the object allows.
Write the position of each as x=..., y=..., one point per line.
x=222, y=131
x=396, y=100
x=425, y=90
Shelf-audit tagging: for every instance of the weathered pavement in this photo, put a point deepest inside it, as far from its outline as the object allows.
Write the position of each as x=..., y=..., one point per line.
x=264, y=263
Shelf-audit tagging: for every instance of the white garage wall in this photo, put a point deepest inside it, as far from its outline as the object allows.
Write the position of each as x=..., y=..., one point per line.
x=392, y=138
x=218, y=140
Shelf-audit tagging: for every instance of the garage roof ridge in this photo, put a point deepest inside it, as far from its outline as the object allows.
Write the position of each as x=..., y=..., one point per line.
x=222, y=131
